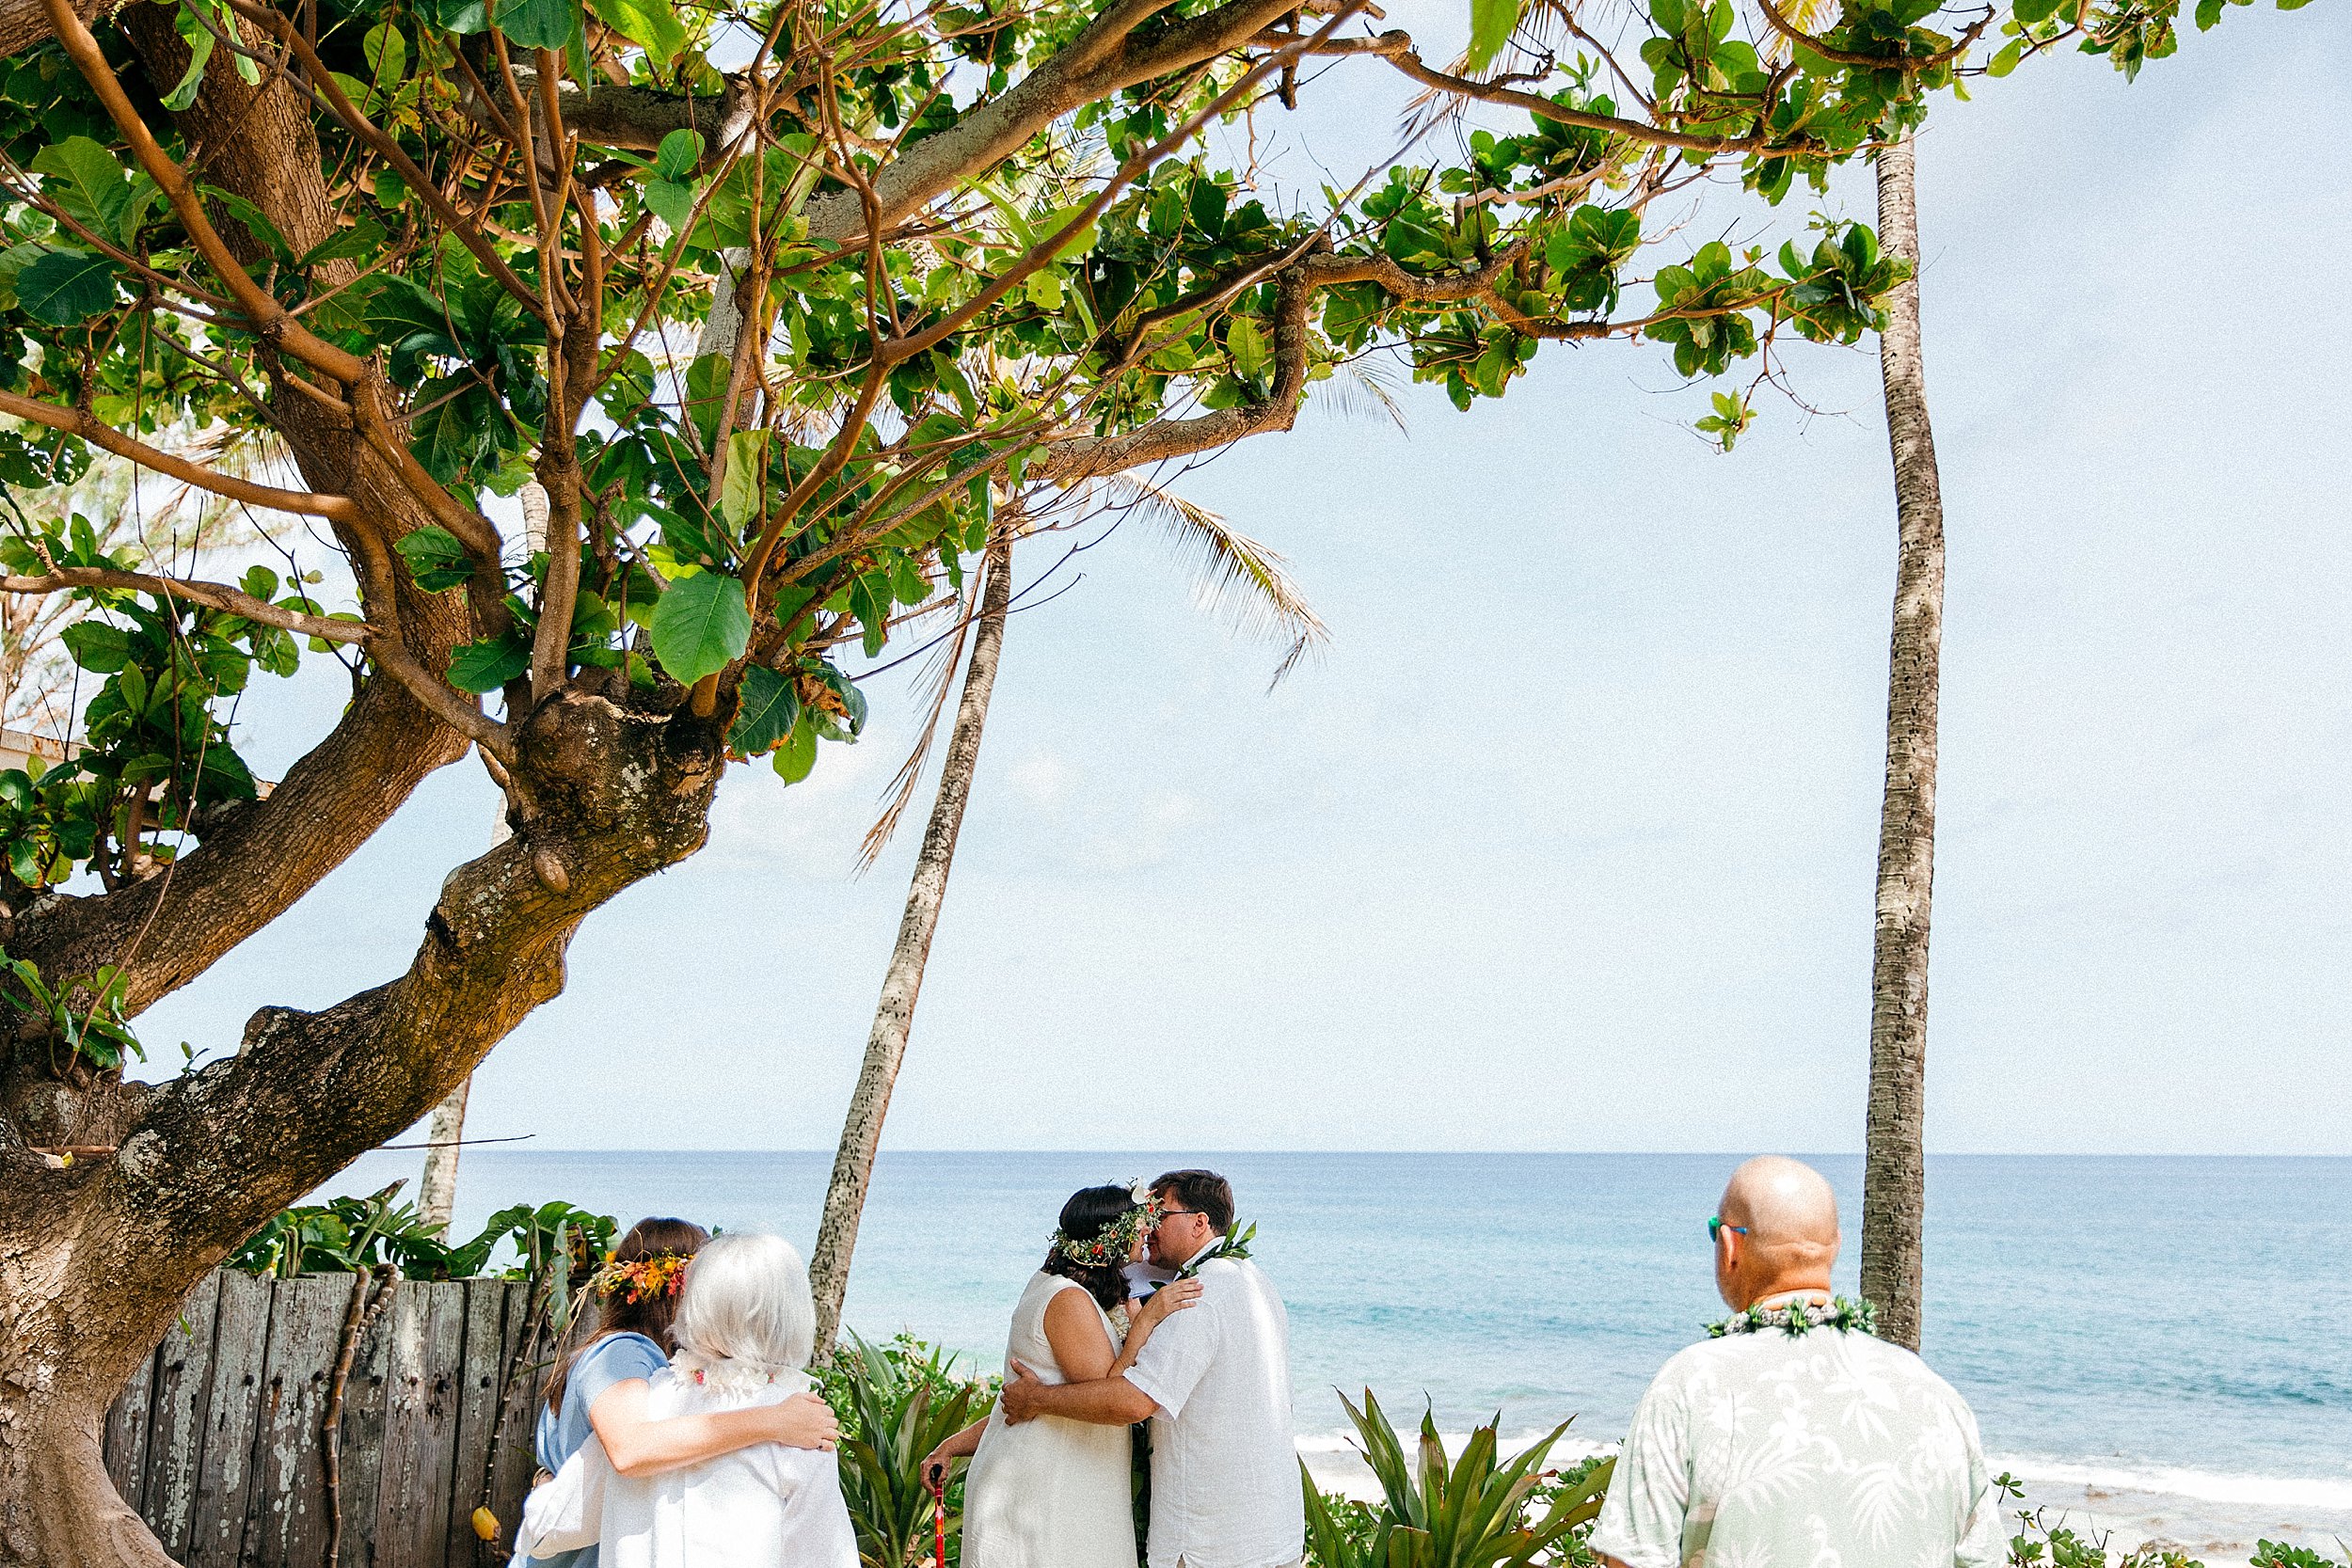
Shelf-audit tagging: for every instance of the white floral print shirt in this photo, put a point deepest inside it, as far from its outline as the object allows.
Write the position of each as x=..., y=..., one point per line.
x=1825, y=1450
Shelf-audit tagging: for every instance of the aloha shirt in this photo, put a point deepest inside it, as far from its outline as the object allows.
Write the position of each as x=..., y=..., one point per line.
x=1823, y=1450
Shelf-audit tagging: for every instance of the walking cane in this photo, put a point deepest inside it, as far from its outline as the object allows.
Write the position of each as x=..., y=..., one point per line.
x=939, y=1515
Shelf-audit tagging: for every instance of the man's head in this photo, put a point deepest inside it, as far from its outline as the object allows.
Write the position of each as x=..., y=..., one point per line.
x=1196, y=1206
x=1778, y=1232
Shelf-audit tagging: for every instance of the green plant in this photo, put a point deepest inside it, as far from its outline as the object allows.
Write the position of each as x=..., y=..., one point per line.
x=898, y=1402
x=346, y=1234
x=2278, y=1554
x=2040, y=1543
x=82, y=1016
x=1466, y=1513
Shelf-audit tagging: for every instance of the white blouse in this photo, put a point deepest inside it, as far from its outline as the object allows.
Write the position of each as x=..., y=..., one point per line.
x=759, y=1507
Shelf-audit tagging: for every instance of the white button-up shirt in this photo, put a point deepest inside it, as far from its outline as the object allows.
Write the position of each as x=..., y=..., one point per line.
x=1224, y=1466
x=1819, y=1448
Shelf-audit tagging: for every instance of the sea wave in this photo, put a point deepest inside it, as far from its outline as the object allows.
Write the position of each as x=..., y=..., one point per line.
x=2212, y=1487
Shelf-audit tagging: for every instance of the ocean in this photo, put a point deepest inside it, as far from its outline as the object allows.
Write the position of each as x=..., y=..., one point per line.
x=2174, y=1325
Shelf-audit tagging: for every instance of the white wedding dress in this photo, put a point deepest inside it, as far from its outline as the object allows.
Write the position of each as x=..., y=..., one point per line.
x=1049, y=1493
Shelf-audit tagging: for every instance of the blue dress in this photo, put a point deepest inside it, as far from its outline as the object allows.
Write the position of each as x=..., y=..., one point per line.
x=562, y=1432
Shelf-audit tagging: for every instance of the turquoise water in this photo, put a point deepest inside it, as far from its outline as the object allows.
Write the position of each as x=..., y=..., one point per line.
x=2149, y=1315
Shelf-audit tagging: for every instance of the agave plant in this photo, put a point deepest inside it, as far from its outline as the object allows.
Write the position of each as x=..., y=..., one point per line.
x=898, y=1402
x=1440, y=1513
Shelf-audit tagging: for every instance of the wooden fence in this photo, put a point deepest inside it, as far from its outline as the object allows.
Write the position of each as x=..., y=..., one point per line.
x=221, y=1441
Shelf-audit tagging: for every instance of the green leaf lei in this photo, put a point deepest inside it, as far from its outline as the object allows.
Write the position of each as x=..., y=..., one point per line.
x=1843, y=1314
x=1235, y=1245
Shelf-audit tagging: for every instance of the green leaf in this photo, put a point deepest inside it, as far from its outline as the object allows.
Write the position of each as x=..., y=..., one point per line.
x=1491, y=21
x=768, y=709
x=537, y=24
x=797, y=757
x=741, y=496
x=462, y=16
x=1249, y=346
x=671, y=201
x=200, y=41
x=650, y=23
x=87, y=182
x=2005, y=60
x=65, y=287
x=98, y=647
x=699, y=625
x=485, y=666
x=705, y=384
x=679, y=156
x=387, y=54
x=435, y=557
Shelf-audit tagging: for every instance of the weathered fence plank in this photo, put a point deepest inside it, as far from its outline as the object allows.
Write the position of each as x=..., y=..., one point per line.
x=419, y=1427
x=231, y=1415
x=219, y=1441
x=124, y=1439
x=175, y=1433
x=477, y=1411
x=361, y=1456
x=284, y=1526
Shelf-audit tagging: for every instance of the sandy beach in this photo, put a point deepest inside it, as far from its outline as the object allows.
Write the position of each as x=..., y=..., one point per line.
x=2217, y=1519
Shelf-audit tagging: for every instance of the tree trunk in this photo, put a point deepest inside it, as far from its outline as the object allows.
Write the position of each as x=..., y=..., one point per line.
x=444, y=1130
x=1894, y=1182
x=902, y=982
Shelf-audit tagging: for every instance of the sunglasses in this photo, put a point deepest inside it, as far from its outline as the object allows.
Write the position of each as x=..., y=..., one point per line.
x=1715, y=1228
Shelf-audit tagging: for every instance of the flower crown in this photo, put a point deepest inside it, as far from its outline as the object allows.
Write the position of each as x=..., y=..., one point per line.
x=1115, y=1242
x=640, y=1279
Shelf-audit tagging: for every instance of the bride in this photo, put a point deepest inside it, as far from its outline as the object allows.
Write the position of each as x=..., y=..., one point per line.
x=1054, y=1493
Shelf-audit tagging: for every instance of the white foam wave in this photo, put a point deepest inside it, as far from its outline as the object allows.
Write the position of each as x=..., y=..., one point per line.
x=2212, y=1486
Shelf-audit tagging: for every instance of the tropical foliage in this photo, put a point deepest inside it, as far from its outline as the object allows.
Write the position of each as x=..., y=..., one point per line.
x=897, y=1402
x=346, y=1234
x=1471, y=1512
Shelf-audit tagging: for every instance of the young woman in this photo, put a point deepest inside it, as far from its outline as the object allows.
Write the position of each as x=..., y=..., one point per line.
x=744, y=1331
x=1051, y=1493
x=603, y=1391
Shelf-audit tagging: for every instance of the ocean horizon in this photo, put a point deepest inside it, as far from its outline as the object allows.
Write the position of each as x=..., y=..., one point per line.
x=2169, y=1324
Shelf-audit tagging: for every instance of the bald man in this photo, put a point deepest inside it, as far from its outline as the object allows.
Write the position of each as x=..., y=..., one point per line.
x=1794, y=1438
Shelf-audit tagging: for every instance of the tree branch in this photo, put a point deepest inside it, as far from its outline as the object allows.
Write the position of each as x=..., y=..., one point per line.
x=216, y=595
x=270, y=319
x=76, y=422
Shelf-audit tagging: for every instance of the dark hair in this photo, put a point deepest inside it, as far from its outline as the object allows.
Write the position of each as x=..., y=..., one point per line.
x=651, y=1317
x=1201, y=1190
x=1090, y=1212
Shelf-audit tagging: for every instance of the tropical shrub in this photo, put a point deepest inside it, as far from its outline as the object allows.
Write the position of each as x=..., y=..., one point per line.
x=346, y=1234
x=1434, y=1511
x=898, y=1401
x=2040, y=1543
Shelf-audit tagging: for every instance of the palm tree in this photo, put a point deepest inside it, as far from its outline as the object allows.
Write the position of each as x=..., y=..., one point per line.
x=1232, y=569
x=1894, y=1181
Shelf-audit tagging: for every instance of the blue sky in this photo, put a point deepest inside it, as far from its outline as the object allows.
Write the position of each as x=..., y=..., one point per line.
x=1568, y=841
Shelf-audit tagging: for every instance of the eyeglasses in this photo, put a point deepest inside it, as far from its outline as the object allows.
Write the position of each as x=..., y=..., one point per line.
x=1172, y=1214
x=1715, y=1228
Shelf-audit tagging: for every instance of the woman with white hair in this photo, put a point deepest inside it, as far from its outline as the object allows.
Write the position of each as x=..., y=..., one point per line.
x=744, y=1331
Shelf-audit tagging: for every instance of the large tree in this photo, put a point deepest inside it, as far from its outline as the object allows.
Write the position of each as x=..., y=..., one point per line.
x=962, y=253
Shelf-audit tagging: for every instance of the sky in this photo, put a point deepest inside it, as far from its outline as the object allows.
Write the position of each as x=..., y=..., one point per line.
x=1568, y=841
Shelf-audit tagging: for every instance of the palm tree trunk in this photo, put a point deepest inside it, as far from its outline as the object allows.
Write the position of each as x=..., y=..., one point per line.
x=1894, y=1182
x=902, y=982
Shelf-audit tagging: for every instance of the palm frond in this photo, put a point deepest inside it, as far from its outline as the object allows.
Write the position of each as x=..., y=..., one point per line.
x=935, y=680
x=1234, y=576
x=1361, y=390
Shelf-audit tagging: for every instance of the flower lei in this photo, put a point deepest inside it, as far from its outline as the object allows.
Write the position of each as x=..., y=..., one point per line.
x=1234, y=1245
x=640, y=1279
x=1116, y=1242
x=1794, y=1318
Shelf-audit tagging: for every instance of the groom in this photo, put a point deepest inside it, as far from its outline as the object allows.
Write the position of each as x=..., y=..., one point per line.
x=1214, y=1380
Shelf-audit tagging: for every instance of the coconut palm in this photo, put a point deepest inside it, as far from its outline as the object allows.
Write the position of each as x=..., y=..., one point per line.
x=1230, y=571
x=1894, y=1181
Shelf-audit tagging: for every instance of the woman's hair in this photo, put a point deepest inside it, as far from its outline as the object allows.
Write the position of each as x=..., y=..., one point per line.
x=636, y=1312
x=747, y=1300
x=1090, y=1212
